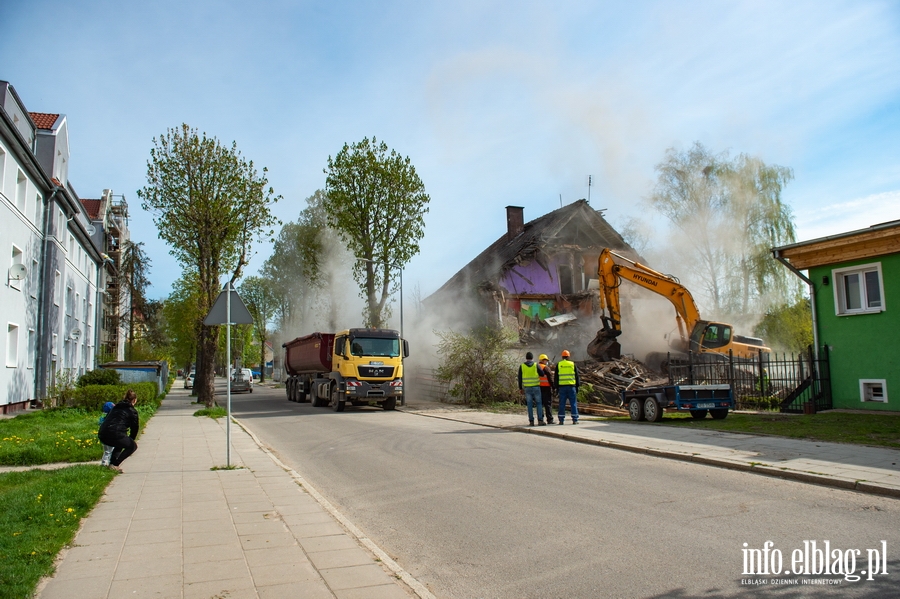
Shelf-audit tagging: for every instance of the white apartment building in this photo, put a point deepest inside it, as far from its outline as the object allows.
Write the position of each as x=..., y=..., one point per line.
x=50, y=299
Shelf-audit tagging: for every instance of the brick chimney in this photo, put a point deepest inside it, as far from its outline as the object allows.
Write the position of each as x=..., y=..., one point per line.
x=515, y=222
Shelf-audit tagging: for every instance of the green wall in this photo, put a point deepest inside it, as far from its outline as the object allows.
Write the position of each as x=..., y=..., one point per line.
x=862, y=346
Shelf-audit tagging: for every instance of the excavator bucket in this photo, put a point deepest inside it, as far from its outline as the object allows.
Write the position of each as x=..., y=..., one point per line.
x=605, y=347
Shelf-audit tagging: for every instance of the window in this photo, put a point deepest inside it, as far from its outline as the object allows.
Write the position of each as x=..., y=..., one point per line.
x=33, y=278
x=873, y=390
x=30, y=357
x=16, y=259
x=38, y=210
x=57, y=289
x=858, y=290
x=21, y=189
x=12, y=345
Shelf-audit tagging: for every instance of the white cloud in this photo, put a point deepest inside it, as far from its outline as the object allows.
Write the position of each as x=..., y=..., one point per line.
x=843, y=217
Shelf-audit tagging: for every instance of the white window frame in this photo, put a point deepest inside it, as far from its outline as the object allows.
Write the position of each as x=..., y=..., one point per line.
x=18, y=257
x=29, y=359
x=867, y=388
x=840, y=301
x=12, y=345
x=2, y=170
x=21, y=192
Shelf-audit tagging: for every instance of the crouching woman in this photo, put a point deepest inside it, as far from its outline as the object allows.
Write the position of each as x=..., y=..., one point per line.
x=120, y=429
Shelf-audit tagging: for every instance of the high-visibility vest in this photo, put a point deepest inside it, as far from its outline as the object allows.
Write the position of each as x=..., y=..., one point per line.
x=545, y=380
x=530, y=376
x=565, y=373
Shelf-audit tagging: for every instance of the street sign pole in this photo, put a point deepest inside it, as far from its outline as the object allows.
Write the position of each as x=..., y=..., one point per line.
x=228, y=377
x=221, y=313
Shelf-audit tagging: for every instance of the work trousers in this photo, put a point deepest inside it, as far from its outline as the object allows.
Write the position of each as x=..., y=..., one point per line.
x=567, y=395
x=547, y=401
x=533, y=399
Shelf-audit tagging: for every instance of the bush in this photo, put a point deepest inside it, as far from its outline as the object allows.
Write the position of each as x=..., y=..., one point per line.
x=477, y=365
x=101, y=376
x=92, y=397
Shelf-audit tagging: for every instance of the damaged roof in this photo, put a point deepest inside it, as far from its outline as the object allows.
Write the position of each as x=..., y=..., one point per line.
x=576, y=225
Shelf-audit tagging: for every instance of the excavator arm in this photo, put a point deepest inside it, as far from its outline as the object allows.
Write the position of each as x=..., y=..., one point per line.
x=610, y=274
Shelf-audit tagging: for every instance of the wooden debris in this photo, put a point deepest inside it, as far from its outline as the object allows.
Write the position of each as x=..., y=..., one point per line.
x=609, y=379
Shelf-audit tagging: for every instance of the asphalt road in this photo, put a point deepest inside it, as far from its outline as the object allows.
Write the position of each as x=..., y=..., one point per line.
x=474, y=512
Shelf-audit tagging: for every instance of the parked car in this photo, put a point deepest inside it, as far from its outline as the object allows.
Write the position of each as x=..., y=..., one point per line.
x=242, y=380
x=189, y=381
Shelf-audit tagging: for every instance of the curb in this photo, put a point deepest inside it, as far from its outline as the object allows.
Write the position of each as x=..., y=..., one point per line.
x=860, y=486
x=417, y=587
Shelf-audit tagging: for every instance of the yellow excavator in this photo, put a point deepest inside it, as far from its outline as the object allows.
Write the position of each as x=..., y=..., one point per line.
x=695, y=334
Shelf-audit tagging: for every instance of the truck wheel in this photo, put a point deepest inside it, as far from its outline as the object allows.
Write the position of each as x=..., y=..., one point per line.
x=337, y=404
x=390, y=404
x=635, y=409
x=698, y=414
x=719, y=413
x=652, y=411
x=287, y=390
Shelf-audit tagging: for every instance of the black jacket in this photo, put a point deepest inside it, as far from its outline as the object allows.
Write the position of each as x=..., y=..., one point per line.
x=122, y=420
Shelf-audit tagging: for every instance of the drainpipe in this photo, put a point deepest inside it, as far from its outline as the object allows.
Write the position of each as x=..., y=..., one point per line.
x=43, y=357
x=812, y=298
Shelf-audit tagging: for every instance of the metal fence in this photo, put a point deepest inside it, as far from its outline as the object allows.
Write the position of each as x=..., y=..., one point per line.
x=794, y=384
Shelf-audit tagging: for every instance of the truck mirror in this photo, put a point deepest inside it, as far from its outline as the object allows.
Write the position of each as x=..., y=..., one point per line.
x=405, y=348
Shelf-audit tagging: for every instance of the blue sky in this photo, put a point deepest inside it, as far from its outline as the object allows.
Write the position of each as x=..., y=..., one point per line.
x=496, y=103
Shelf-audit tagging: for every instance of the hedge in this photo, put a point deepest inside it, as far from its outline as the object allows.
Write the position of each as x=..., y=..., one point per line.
x=92, y=397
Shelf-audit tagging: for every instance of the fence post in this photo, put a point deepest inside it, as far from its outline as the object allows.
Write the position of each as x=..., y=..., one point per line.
x=690, y=367
x=763, y=391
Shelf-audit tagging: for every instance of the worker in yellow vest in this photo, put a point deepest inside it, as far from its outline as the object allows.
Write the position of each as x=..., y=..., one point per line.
x=567, y=382
x=530, y=385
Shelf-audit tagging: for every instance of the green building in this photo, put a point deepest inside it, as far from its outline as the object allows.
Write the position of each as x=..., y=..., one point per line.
x=854, y=282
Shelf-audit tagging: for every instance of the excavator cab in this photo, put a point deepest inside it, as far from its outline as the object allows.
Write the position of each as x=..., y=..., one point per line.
x=710, y=336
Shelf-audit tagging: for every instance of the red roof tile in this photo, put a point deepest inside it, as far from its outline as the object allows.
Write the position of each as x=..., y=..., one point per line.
x=43, y=120
x=92, y=207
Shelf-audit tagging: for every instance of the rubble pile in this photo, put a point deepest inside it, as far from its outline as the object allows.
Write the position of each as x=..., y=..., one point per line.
x=609, y=379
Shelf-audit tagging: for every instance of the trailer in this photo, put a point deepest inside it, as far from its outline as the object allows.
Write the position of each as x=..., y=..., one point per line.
x=649, y=403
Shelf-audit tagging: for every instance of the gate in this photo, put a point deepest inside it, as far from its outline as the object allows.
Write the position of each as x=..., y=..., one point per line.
x=791, y=384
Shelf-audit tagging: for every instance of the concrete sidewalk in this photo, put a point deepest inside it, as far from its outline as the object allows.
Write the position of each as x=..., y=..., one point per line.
x=172, y=527
x=867, y=469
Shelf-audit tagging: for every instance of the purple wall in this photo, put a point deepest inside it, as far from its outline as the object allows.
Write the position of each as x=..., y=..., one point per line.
x=533, y=278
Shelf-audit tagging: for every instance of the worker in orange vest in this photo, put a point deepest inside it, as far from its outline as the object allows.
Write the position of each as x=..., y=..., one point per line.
x=545, y=370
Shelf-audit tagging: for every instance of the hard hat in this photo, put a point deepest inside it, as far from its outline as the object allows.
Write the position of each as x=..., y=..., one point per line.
x=543, y=357
x=565, y=353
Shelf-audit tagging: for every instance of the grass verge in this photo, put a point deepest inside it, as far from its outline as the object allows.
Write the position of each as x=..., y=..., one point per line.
x=837, y=427
x=41, y=513
x=55, y=435
x=213, y=412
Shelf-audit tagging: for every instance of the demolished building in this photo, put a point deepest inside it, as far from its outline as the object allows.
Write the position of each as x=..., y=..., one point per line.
x=539, y=278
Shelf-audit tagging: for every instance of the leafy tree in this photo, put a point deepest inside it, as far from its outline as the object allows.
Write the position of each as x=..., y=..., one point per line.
x=181, y=312
x=730, y=214
x=788, y=327
x=377, y=203
x=477, y=365
x=133, y=276
x=298, y=271
x=209, y=205
x=261, y=303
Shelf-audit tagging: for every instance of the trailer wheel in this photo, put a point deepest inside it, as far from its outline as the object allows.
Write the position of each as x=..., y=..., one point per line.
x=719, y=413
x=635, y=409
x=337, y=404
x=698, y=414
x=652, y=411
x=389, y=404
